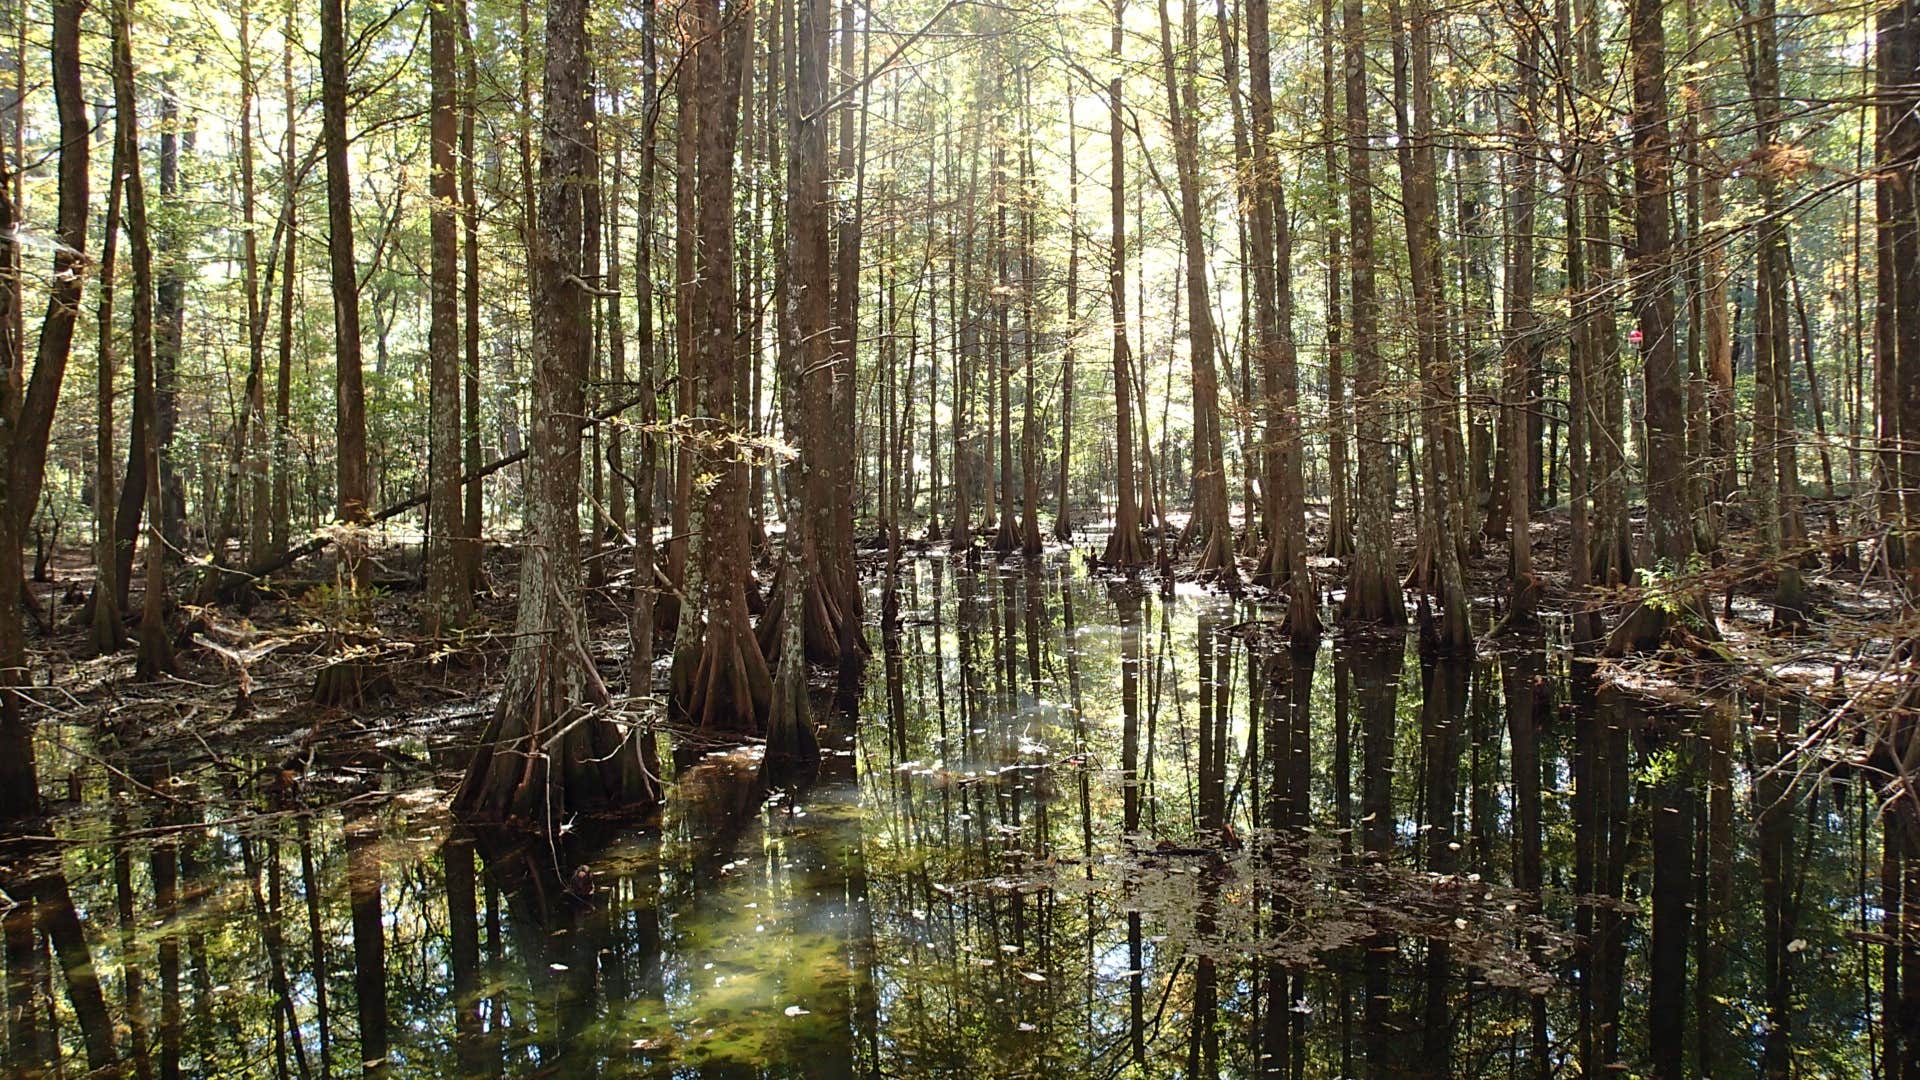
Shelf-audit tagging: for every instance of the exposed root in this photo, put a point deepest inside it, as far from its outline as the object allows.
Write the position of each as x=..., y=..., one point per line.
x=544, y=757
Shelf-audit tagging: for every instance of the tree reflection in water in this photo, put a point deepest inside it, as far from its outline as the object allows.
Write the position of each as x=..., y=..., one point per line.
x=1075, y=829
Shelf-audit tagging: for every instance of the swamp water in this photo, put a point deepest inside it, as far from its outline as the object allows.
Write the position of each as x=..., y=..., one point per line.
x=1076, y=830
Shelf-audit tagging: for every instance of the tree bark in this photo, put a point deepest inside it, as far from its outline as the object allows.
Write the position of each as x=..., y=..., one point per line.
x=1373, y=594
x=1775, y=476
x=350, y=417
x=1063, y=514
x=1413, y=102
x=1125, y=549
x=283, y=380
x=540, y=759
x=1211, y=510
x=449, y=596
x=811, y=369
x=254, y=440
x=469, y=550
x=1518, y=408
x=1283, y=482
x=1669, y=518
x=26, y=419
x=108, y=627
x=155, y=656
x=730, y=688
x=170, y=282
x=1339, y=518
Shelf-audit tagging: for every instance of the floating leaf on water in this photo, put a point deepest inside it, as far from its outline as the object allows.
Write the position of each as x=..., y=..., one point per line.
x=558, y=966
x=1033, y=976
x=795, y=1010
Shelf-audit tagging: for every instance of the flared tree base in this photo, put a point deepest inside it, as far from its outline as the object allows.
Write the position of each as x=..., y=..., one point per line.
x=792, y=747
x=19, y=781
x=1303, y=614
x=1031, y=543
x=542, y=761
x=1216, y=563
x=350, y=685
x=730, y=689
x=1789, y=602
x=105, y=629
x=1612, y=561
x=1339, y=541
x=822, y=619
x=1126, y=549
x=1523, y=604
x=1273, y=566
x=1373, y=598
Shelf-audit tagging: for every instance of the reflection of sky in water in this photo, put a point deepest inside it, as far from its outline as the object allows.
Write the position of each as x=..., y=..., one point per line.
x=952, y=895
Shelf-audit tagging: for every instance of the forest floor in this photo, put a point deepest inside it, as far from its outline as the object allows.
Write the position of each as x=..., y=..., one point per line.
x=244, y=697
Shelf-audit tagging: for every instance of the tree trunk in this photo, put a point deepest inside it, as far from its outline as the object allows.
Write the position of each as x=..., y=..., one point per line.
x=1612, y=538
x=1897, y=251
x=26, y=420
x=730, y=688
x=811, y=372
x=1669, y=518
x=108, y=627
x=1339, y=518
x=469, y=550
x=1211, y=510
x=350, y=416
x=646, y=570
x=1029, y=196
x=449, y=598
x=170, y=282
x=253, y=423
x=540, y=761
x=1125, y=549
x=1284, y=562
x=155, y=656
x=1373, y=594
x=283, y=380
x=1440, y=557
x=1063, y=515
x=1775, y=477
x=1517, y=438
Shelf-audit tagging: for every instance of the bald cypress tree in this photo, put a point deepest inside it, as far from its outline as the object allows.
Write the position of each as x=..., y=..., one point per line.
x=1126, y=548
x=1373, y=590
x=541, y=760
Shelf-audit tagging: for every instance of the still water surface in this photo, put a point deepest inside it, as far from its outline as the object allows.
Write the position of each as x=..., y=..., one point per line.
x=1076, y=830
